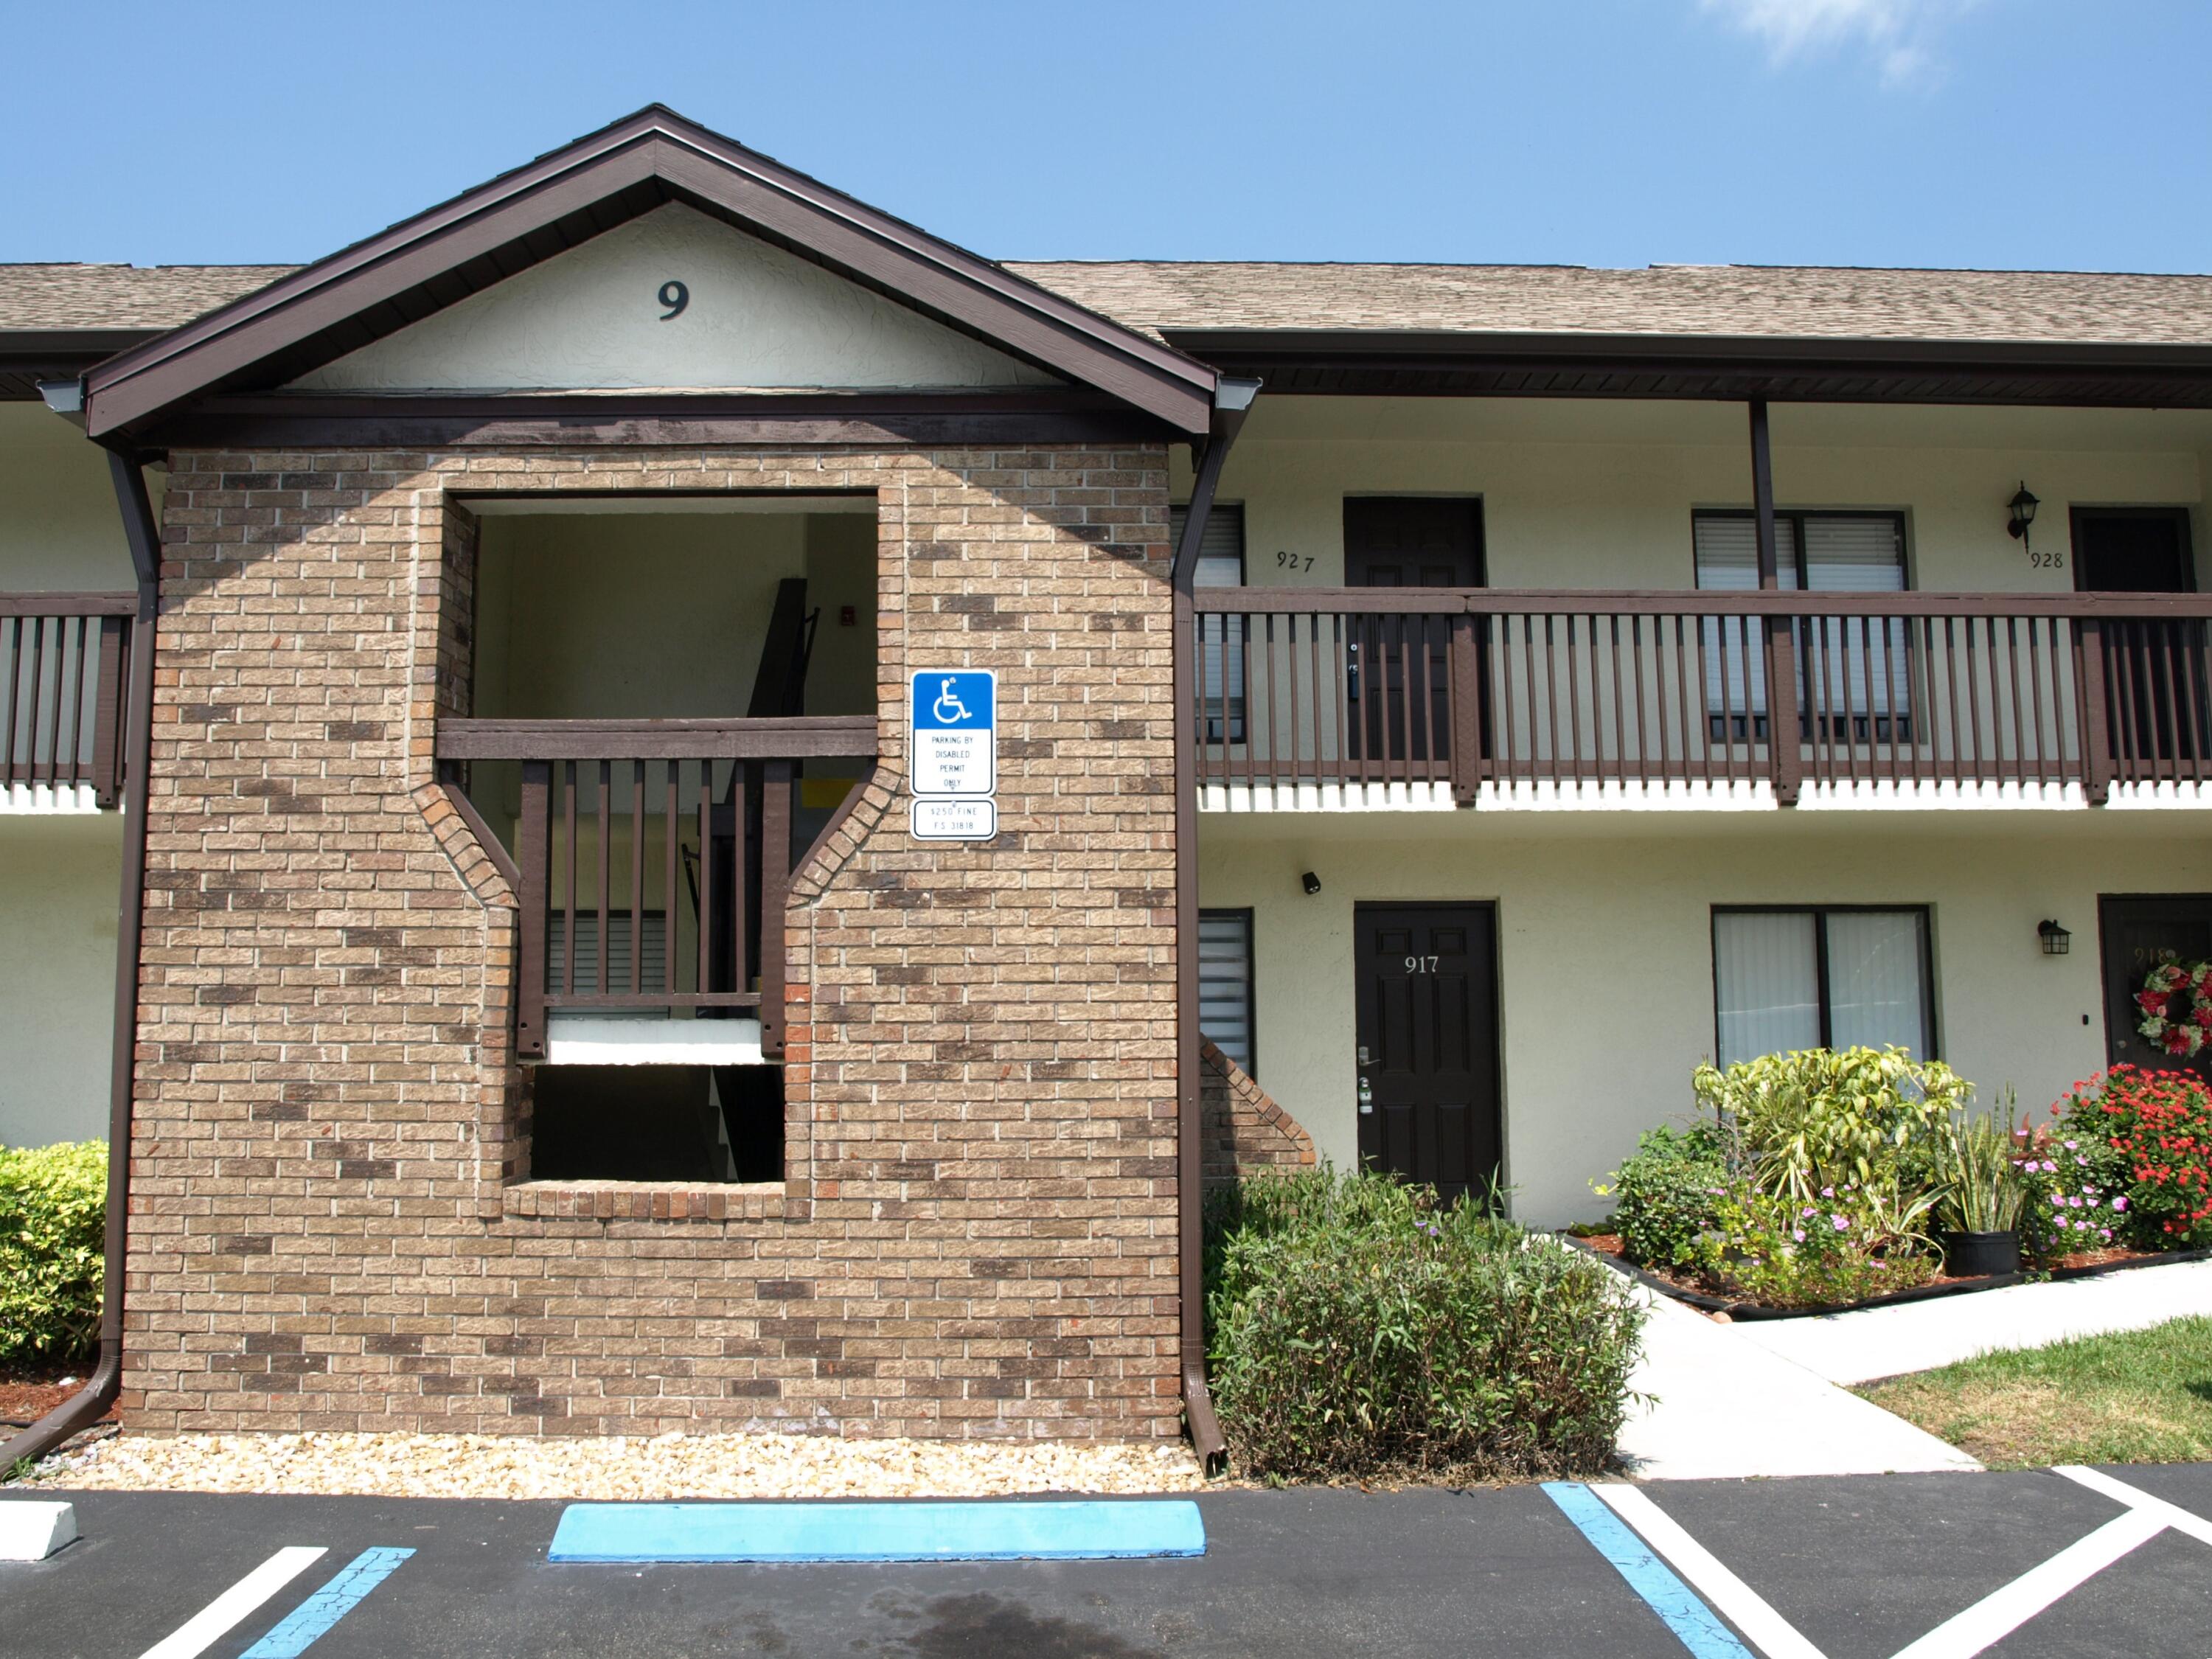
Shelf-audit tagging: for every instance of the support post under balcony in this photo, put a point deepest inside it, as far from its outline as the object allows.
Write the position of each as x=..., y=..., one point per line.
x=1782, y=741
x=2096, y=732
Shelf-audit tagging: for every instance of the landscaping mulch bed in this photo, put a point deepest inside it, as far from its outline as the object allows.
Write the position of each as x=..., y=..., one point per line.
x=27, y=1396
x=2086, y=1264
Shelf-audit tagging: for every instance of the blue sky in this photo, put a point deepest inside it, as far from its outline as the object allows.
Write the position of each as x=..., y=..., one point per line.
x=2062, y=133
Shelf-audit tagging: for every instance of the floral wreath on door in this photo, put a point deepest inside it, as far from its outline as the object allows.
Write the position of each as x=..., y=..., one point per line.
x=2176, y=1000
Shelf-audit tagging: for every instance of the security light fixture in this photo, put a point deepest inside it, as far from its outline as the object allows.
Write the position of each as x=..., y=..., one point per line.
x=2022, y=506
x=2056, y=941
x=1310, y=882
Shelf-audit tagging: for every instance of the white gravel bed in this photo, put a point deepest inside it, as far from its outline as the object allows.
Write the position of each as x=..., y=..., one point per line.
x=667, y=1466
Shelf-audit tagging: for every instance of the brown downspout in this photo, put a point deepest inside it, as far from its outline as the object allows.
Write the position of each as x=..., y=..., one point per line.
x=1232, y=401
x=87, y=1406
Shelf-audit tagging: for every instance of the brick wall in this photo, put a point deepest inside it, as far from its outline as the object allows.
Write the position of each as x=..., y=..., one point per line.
x=333, y=1223
x=1242, y=1129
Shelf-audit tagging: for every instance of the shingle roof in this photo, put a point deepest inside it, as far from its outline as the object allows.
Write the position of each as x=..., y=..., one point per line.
x=1776, y=302
x=72, y=297
x=1166, y=297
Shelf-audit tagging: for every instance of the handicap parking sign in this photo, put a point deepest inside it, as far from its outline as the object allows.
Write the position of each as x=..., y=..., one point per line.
x=955, y=730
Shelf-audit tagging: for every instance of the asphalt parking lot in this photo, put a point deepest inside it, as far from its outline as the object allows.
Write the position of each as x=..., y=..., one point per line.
x=1862, y=1568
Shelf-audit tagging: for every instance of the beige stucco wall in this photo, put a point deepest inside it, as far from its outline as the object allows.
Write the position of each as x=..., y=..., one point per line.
x=1581, y=493
x=58, y=897
x=1606, y=955
x=59, y=528
x=757, y=318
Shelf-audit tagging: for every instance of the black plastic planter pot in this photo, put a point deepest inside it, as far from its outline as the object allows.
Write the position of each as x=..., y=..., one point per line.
x=1978, y=1256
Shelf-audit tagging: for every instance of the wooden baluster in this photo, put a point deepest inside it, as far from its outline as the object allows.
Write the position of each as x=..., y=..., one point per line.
x=637, y=880
x=533, y=857
x=744, y=776
x=705, y=877
x=38, y=685
x=568, y=783
x=671, y=819
x=605, y=875
x=107, y=713
x=776, y=876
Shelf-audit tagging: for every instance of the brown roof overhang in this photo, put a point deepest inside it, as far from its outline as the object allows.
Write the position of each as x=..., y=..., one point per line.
x=1378, y=363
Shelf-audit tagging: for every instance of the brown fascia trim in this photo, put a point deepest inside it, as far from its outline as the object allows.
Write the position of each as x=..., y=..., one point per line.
x=28, y=356
x=1647, y=360
x=534, y=420
x=610, y=176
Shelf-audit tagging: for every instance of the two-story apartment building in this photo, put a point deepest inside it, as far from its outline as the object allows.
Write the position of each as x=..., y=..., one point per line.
x=686, y=765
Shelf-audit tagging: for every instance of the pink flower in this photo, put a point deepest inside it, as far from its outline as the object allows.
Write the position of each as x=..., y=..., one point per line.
x=1797, y=1233
x=2120, y=1203
x=1839, y=1223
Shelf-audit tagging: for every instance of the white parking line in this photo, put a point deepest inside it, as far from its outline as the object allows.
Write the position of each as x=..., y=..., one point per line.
x=2001, y=1611
x=230, y=1609
x=1963, y=1635
x=1729, y=1596
x=2181, y=1520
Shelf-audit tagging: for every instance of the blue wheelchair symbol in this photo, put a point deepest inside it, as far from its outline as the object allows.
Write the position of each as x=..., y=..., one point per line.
x=948, y=708
x=960, y=701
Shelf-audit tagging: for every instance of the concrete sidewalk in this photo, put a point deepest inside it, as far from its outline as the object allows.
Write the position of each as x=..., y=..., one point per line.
x=1728, y=1407
x=1919, y=1336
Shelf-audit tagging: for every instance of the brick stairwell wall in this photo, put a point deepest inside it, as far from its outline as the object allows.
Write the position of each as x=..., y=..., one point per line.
x=1244, y=1130
x=333, y=1226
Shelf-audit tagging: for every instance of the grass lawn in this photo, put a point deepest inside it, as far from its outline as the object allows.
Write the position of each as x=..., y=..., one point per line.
x=2140, y=1397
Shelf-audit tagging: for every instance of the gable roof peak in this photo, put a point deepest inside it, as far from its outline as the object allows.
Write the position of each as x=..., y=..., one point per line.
x=567, y=196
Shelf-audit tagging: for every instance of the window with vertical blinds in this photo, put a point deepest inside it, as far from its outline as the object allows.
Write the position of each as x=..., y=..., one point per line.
x=1856, y=670
x=1820, y=978
x=1224, y=983
x=1221, y=642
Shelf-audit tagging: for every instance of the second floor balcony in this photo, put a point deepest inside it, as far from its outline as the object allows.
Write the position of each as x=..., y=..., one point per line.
x=1364, y=698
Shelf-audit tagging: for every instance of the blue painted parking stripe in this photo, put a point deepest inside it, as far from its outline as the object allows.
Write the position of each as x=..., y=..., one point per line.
x=313, y=1617
x=1691, y=1619
x=1076, y=1531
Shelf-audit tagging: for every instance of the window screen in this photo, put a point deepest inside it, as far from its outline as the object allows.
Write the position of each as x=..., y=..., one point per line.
x=653, y=929
x=1221, y=639
x=1857, y=671
x=1224, y=983
x=1820, y=978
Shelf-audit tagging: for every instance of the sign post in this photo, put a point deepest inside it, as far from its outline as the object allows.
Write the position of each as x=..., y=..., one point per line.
x=952, y=754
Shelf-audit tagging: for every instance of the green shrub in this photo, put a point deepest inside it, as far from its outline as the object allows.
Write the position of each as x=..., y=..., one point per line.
x=53, y=1202
x=1358, y=1328
x=1669, y=1195
x=1875, y=1121
x=1839, y=1247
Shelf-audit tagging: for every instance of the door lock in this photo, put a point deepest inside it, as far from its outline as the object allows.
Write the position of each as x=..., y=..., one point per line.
x=1366, y=1097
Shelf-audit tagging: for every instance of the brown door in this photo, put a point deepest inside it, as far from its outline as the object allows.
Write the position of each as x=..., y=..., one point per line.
x=2135, y=931
x=1428, y=1043
x=1399, y=683
x=2158, y=706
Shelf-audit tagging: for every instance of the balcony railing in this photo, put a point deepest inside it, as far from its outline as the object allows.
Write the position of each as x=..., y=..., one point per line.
x=650, y=859
x=1462, y=690
x=64, y=662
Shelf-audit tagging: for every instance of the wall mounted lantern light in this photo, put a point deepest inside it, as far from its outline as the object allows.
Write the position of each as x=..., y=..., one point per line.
x=2023, y=507
x=2056, y=941
x=1310, y=882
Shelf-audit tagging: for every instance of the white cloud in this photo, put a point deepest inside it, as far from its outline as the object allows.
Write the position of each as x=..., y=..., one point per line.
x=1900, y=34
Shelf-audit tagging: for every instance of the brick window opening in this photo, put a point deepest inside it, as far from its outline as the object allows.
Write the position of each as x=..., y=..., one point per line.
x=610, y=701
x=687, y=1123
